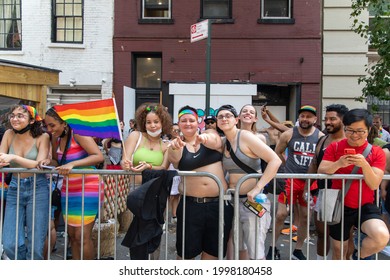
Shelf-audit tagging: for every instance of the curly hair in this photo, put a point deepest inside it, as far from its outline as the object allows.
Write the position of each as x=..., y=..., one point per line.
x=162, y=113
x=36, y=127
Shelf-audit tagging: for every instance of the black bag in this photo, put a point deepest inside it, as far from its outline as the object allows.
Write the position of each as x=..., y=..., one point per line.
x=56, y=193
x=8, y=178
x=280, y=184
x=56, y=197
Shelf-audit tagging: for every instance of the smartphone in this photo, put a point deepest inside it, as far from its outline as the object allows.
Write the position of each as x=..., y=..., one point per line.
x=349, y=151
x=47, y=166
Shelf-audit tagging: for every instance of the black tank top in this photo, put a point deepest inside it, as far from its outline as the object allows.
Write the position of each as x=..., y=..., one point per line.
x=204, y=156
x=321, y=182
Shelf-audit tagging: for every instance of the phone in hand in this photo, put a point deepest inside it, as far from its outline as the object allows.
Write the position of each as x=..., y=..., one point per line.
x=349, y=151
x=47, y=166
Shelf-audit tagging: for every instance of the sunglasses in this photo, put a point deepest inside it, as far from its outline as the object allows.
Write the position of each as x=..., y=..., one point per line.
x=210, y=122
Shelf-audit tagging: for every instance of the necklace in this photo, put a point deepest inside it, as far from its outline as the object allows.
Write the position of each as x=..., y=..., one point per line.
x=152, y=144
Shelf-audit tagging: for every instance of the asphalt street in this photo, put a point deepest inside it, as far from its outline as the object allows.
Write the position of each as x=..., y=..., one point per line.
x=169, y=237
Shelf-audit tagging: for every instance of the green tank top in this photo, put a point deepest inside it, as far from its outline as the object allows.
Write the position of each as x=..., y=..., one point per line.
x=32, y=154
x=155, y=158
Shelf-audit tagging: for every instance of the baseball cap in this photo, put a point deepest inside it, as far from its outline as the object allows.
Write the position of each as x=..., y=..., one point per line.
x=210, y=118
x=308, y=108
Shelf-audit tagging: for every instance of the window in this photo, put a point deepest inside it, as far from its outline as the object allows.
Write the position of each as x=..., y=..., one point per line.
x=275, y=9
x=156, y=9
x=217, y=9
x=148, y=71
x=146, y=77
x=10, y=25
x=68, y=21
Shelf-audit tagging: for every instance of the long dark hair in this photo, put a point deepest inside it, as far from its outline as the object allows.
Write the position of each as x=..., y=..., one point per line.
x=68, y=133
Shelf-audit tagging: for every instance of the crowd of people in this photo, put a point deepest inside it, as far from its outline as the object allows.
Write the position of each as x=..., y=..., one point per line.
x=229, y=146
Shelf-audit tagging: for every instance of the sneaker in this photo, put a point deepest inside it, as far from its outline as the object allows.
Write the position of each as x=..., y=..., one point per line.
x=69, y=255
x=355, y=256
x=295, y=238
x=276, y=254
x=286, y=231
x=174, y=220
x=298, y=255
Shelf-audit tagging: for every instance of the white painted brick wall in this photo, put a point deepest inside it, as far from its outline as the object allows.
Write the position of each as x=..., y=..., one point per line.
x=89, y=63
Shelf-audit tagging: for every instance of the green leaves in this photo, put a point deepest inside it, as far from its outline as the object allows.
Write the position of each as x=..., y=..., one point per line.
x=377, y=33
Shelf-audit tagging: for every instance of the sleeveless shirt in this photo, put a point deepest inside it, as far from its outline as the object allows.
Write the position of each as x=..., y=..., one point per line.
x=204, y=156
x=301, y=150
x=32, y=154
x=230, y=166
x=155, y=158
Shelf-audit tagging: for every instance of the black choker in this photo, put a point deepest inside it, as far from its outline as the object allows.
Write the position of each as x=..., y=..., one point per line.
x=24, y=130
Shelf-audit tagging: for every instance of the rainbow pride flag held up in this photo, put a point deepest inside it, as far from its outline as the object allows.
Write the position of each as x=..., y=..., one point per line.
x=94, y=118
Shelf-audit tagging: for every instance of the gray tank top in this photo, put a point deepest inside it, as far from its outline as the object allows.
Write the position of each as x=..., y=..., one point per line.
x=230, y=166
x=32, y=154
x=300, y=151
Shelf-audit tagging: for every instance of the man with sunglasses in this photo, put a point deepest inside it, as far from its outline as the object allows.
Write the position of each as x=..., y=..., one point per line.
x=210, y=122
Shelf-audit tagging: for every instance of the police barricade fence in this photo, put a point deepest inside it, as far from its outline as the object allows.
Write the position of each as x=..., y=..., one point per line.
x=114, y=197
x=310, y=178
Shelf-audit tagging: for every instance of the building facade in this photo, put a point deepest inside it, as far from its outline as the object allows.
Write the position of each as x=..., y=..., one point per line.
x=344, y=55
x=271, y=48
x=74, y=37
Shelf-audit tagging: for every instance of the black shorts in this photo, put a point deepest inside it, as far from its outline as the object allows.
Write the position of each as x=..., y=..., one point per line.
x=201, y=228
x=369, y=211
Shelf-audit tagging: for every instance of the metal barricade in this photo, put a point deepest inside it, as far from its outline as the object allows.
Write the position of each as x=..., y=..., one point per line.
x=310, y=178
x=222, y=199
x=102, y=173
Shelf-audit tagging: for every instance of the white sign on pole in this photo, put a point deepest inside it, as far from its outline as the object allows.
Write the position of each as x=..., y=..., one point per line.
x=199, y=31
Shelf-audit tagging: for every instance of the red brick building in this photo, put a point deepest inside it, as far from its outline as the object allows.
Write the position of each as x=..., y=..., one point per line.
x=273, y=44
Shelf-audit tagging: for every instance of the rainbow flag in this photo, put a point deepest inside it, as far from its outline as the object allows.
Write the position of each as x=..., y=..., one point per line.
x=94, y=118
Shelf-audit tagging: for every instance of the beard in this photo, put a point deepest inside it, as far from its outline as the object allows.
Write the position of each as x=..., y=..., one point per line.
x=333, y=129
x=305, y=125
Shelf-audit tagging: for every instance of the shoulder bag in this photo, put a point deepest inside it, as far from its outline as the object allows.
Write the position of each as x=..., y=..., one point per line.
x=269, y=188
x=331, y=206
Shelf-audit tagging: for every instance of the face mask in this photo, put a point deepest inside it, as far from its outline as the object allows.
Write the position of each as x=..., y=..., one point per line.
x=154, y=134
x=24, y=130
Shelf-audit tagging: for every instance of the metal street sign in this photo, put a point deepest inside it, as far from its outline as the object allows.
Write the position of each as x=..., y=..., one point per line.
x=199, y=31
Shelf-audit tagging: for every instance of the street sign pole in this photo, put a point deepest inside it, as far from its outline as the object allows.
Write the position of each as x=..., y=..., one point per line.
x=208, y=66
x=200, y=31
